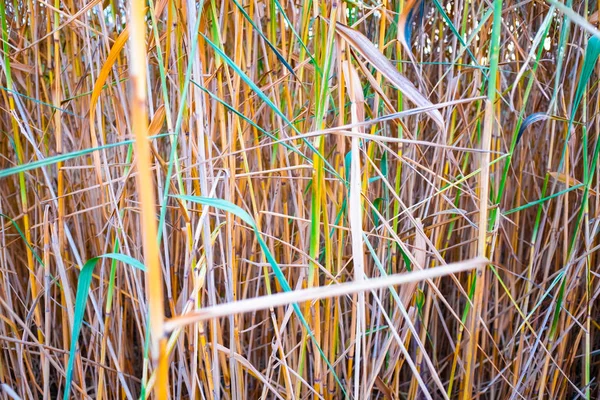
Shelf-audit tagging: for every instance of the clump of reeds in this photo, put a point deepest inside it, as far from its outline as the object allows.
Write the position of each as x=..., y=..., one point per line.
x=276, y=199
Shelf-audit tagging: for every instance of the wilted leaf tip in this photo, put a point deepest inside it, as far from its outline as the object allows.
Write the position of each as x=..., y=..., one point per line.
x=362, y=45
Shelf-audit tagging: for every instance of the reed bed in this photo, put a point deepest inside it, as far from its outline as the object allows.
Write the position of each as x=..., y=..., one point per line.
x=299, y=199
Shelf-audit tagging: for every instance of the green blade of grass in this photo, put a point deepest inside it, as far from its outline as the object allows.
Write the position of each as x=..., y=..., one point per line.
x=229, y=207
x=20, y=232
x=268, y=101
x=454, y=31
x=591, y=56
x=267, y=41
x=83, y=289
x=67, y=156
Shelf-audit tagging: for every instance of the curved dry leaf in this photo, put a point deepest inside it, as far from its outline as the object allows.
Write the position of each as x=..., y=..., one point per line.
x=105, y=71
x=570, y=181
x=97, y=89
x=532, y=52
x=368, y=50
x=157, y=121
x=354, y=91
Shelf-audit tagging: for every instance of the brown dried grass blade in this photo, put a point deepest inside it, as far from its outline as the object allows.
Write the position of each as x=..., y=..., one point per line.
x=570, y=181
x=367, y=49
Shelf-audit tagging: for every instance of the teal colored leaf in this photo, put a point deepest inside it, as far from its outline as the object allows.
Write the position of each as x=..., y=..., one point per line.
x=455, y=32
x=377, y=204
x=383, y=166
x=589, y=62
x=291, y=26
x=64, y=157
x=229, y=207
x=83, y=289
x=267, y=41
x=249, y=121
x=268, y=101
x=39, y=101
x=23, y=237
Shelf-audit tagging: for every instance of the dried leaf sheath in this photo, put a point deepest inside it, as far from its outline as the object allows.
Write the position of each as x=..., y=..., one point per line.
x=367, y=49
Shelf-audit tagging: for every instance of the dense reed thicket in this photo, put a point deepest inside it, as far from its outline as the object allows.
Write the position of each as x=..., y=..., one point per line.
x=374, y=153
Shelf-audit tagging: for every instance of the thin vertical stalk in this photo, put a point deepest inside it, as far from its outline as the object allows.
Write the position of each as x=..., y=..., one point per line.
x=479, y=276
x=139, y=119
